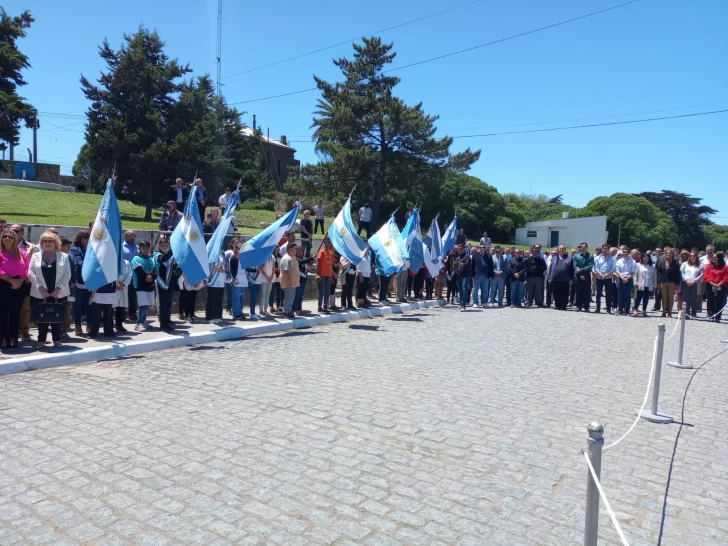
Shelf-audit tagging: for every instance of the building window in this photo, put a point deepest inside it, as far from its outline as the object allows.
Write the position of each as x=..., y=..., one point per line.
x=531, y=234
x=278, y=167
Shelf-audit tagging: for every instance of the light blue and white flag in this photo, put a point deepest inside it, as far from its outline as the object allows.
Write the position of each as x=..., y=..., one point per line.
x=412, y=235
x=257, y=250
x=104, y=261
x=188, y=243
x=215, y=250
x=433, y=241
x=451, y=233
x=344, y=237
x=388, y=251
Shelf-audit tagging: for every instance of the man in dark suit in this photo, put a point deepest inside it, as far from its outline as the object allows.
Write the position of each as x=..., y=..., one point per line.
x=179, y=194
x=482, y=273
x=498, y=276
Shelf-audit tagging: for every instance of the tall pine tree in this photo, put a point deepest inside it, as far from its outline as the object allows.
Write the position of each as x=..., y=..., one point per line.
x=368, y=135
x=13, y=107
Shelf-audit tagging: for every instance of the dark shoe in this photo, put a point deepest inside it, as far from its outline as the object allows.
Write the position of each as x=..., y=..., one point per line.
x=121, y=329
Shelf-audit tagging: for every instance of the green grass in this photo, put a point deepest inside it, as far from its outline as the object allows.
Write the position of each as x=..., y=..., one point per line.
x=29, y=206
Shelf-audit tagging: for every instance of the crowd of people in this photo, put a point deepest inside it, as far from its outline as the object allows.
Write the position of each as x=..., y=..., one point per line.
x=619, y=280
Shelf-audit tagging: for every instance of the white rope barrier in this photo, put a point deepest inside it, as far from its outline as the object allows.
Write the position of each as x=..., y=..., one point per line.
x=713, y=316
x=605, y=500
x=677, y=322
x=644, y=401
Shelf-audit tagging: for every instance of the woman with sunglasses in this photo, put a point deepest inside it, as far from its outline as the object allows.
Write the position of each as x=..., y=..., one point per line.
x=13, y=274
x=691, y=274
x=81, y=304
x=716, y=279
x=49, y=274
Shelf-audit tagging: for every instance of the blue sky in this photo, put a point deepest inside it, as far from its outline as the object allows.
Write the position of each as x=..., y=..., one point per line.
x=649, y=59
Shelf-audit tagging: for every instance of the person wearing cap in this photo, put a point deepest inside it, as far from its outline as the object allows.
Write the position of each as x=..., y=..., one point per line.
x=170, y=217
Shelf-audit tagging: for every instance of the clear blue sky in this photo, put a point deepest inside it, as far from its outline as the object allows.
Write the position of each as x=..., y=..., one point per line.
x=655, y=55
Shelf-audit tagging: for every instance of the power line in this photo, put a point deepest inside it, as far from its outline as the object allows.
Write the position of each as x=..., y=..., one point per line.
x=64, y=127
x=455, y=52
x=55, y=127
x=594, y=125
x=352, y=39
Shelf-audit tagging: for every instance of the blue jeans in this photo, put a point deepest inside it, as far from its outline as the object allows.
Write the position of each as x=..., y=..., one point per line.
x=497, y=284
x=142, y=314
x=624, y=295
x=463, y=283
x=238, y=297
x=254, y=288
x=228, y=296
x=81, y=307
x=298, y=300
x=516, y=292
x=481, y=282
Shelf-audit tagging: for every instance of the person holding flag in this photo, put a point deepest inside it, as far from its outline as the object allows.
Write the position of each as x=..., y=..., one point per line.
x=344, y=237
x=188, y=243
x=104, y=262
x=448, y=239
x=216, y=259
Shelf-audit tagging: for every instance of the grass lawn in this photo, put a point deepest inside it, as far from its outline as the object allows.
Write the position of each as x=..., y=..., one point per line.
x=29, y=206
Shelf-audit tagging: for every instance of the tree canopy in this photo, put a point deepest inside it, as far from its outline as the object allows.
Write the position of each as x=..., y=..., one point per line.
x=366, y=133
x=13, y=107
x=535, y=208
x=688, y=214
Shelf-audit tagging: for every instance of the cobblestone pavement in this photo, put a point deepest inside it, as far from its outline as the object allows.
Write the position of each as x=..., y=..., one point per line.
x=433, y=427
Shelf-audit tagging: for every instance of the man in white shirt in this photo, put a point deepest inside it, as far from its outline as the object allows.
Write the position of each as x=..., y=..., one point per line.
x=224, y=200
x=363, y=274
x=365, y=219
x=485, y=240
x=626, y=269
x=704, y=260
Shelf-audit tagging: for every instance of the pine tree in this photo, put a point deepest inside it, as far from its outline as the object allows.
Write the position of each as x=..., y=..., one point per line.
x=368, y=135
x=13, y=107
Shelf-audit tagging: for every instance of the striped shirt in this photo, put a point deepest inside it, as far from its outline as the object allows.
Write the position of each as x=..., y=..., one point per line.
x=318, y=210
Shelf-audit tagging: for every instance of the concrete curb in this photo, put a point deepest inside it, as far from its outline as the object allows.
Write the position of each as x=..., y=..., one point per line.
x=117, y=350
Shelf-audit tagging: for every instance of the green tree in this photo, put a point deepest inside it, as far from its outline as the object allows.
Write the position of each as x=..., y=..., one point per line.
x=632, y=220
x=13, y=107
x=365, y=133
x=478, y=205
x=129, y=112
x=535, y=208
x=686, y=211
x=717, y=236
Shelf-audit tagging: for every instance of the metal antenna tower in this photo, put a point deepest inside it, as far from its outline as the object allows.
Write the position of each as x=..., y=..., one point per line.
x=219, y=48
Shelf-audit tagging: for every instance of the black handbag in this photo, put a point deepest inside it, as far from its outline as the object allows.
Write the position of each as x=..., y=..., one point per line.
x=46, y=312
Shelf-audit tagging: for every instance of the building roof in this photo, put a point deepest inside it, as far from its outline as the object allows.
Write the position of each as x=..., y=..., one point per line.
x=247, y=131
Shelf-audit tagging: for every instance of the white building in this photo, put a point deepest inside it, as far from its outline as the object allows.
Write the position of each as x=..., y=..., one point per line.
x=566, y=231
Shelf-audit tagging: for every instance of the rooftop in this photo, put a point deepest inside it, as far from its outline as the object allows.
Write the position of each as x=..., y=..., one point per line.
x=247, y=131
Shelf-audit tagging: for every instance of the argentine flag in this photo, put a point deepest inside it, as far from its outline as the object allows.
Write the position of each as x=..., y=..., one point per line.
x=412, y=235
x=433, y=242
x=215, y=250
x=451, y=233
x=104, y=261
x=188, y=243
x=257, y=250
x=387, y=249
x=344, y=237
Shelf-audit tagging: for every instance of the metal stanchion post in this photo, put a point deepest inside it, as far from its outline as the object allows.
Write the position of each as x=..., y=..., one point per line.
x=591, y=522
x=683, y=321
x=652, y=415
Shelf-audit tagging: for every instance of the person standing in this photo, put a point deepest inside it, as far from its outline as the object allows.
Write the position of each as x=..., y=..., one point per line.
x=483, y=270
x=306, y=234
x=29, y=249
x=667, y=272
x=144, y=277
x=170, y=217
x=178, y=194
x=102, y=310
x=691, y=274
x=716, y=279
x=463, y=271
x=224, y=199
x=276, y=294
x=348, y=280
x=626, y=269
x=130, y=250
x=123, y=282
x=81, y=303
x=201, y=197
x=605, y=267
x=49, y=273
x=561, y=277
x=167, y=274
x=583, y=265
x=461, y=238
x=238, y=280
x=497, y=282
x=402, y=276
x=13, y=276
x=290, y=280
x=644, y=280
x=365, y=219
x=363, y=276
x=267, y=275
x=319, y=211
x=383, y=279
x=303, y=266
x=516, y=277
x=706, y=259
x=324, y=271
x=485, y=240
x=535, y=268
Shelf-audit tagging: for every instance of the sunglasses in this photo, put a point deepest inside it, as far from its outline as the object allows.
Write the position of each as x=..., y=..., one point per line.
x=8, y=237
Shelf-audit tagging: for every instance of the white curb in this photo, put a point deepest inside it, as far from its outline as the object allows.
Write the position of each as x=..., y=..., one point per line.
x=117, y=350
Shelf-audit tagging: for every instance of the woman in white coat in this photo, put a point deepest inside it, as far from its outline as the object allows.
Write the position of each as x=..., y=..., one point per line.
x=49, y=273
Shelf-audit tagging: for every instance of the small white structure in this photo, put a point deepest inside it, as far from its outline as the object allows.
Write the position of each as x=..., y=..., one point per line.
x=566, y=231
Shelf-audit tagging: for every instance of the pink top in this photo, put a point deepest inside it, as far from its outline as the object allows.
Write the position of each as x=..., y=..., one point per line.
x=12, y=266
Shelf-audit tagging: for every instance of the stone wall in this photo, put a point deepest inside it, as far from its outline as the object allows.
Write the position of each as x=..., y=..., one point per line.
x=44, y=172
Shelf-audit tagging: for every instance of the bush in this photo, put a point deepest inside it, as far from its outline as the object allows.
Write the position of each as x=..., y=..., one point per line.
x=259, y=204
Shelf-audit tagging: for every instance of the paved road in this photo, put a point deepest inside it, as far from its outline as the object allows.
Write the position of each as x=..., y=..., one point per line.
x=435, y=427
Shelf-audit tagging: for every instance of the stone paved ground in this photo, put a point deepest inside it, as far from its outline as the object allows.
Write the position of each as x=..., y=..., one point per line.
x=434, y=427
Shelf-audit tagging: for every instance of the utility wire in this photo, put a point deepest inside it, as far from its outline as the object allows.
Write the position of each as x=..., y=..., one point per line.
x=276, y=63
x=64, y=127
x=593, y=125
x=454, y=52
